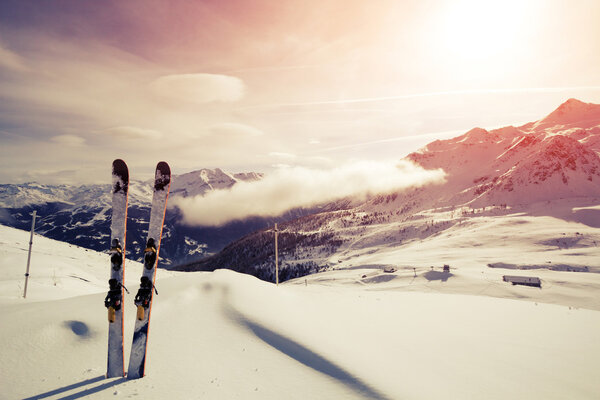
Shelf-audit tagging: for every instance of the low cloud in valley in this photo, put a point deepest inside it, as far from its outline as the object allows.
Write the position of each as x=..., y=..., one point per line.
x=288, y=188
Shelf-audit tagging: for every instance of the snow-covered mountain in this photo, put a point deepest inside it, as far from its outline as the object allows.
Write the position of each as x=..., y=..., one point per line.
x=199, y=182
x=571, y=114
x=553, y=158
x=546, y=167
x=188, y=184
x=81, y=214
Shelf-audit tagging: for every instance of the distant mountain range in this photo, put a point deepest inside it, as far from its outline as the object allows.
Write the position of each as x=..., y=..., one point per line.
x=543, y=161
x=549, y=160
x=80, y=215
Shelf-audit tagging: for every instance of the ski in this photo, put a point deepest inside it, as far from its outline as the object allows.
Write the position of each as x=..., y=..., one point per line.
x=143, y=298
x=114, y=298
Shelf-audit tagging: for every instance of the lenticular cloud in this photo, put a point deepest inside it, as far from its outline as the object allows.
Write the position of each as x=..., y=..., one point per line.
x=289, y=188
x=199, y=88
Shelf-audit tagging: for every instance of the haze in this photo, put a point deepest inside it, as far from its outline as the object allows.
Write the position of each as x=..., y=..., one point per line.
x=260, y=85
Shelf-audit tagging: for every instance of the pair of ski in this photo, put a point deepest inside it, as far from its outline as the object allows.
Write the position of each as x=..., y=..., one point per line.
x=143, y=298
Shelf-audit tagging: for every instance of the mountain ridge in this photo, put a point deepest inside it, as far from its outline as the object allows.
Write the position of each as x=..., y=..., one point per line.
x=499, y=169
x=512, y=159
x=81, y=214
x=493, y=172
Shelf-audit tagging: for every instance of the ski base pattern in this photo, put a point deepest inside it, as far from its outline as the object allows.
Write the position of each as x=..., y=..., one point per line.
x=114, y=298
x=143, y=298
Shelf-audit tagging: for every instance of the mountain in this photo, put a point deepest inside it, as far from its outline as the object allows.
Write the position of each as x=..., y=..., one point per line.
x=80, y=215
x=551, y=166
x=553, y=158
x=205, y=180
x=572, y=113
x=505, y=169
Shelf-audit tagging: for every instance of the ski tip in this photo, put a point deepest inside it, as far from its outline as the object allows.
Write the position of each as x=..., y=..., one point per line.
x=118, y=163
x=164, y=168
x=120, y=168
x=162, y=178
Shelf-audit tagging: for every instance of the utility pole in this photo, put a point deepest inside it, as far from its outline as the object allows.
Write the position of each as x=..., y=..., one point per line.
x=276, y=258
x=29, y=255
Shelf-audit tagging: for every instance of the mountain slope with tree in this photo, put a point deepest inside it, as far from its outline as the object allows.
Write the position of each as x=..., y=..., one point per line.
x=547, y=167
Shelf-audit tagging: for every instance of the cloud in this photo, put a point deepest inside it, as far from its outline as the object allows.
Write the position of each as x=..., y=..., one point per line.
x=199, y=88
x=231, y=129
x=133, y=132
x=11, y=60
x=68, y=140
x=288, y=188
x=287, y=156
x=53, y=176
x=449, y=93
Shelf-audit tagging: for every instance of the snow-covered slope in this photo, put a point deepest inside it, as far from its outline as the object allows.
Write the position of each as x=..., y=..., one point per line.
x=58, y=270
x=547, y=171
x=572, y=113
x=224, y=335
x=553, y=158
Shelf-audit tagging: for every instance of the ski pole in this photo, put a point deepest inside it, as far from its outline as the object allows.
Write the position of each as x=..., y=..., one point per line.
x=29, y=255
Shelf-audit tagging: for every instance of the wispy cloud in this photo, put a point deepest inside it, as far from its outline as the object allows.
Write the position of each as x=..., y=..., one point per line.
x=287, y=156
x=288, y=188
x=273, y=68
x=69, y=140
x=11, y=60
x=199, y=88
x=410, y=138
x=232, y=129
x=422, y=95
x=133, y=132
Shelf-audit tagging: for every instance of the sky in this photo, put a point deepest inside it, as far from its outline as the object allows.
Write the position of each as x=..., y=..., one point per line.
x=259, y=85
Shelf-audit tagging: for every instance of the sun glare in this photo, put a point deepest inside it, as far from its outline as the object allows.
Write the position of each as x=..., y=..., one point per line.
x=474, y=29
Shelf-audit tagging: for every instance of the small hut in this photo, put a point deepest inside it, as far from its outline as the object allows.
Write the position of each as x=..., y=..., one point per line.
x=523, y=280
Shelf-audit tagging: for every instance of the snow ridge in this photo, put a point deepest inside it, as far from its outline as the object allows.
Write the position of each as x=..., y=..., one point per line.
x=556, y=157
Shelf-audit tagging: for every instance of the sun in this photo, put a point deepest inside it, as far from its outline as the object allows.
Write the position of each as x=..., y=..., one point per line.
x=476, y=29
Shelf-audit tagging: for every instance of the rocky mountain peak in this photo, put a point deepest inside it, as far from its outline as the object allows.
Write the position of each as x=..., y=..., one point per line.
x=199, y=182
x=552, y=158
x=572, y=112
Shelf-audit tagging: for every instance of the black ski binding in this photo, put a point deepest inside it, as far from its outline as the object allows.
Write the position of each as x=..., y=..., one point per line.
x=150, y=254
x=116, y=255
x=144, y=294
x=115, y=295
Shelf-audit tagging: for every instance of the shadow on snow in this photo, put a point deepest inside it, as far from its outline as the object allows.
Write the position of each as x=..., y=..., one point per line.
x=82, y=393
x=306, y=356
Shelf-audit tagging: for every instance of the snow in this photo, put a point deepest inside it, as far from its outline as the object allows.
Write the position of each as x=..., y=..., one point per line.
x=549, y=237
x=224, y=335
x=555, y=157
x=189, y=184
x=572, y=112
x=198, y=183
